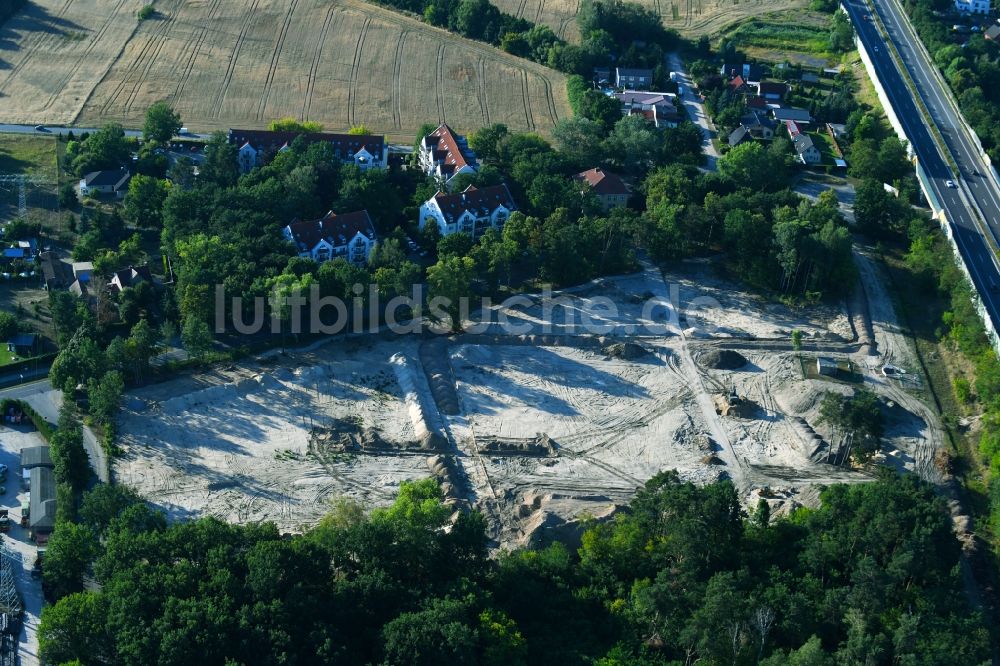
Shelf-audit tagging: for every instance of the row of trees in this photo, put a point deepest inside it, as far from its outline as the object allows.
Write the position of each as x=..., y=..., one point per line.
x=971, y=68
x=681, y=575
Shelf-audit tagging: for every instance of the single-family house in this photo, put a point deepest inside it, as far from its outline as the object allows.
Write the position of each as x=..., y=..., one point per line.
x=23, y=344
x=112, y=181
x=809, y=77
x=657, y=107
x=129, y=277
x=758, y=124
x=472, y=211
x=257, y=147
x=445, y=154
x=973, y=6
x=82, y=270
x=786, y=113
x=55, y=272
x=42, y=503
x=633, y=79
x=739, y=135
x=739, y=86
x=772, y=91
x=992, y=33
x=350, y=236
x=610, y=190
x=805, y=149
x=750, y=73
x=756, y=102
x=32, y=457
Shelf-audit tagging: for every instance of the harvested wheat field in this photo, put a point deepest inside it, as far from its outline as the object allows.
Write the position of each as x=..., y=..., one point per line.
x=224, y=63
x=691, y=18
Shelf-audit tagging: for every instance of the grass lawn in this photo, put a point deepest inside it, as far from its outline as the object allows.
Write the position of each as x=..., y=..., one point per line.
x=6, y=357
x=803, y=37
x=825, y=146
x=35, y=155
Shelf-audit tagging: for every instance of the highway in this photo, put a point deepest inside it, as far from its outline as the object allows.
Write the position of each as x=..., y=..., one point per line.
x=974, y=247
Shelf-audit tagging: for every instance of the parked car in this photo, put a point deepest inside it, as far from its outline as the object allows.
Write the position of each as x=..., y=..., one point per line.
x=950, y=184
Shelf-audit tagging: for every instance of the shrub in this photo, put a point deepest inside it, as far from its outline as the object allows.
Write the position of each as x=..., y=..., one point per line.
x=146, y=12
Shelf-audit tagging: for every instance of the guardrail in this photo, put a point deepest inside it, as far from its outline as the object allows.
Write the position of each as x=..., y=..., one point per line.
x=925, y=183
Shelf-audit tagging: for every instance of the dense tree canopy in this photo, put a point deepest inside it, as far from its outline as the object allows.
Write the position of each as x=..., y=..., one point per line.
x=869, y=577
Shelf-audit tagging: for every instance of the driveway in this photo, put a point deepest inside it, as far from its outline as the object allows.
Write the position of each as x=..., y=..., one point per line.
x=695, y=110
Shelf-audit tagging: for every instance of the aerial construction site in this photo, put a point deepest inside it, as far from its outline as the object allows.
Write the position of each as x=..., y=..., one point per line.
x=546, y=428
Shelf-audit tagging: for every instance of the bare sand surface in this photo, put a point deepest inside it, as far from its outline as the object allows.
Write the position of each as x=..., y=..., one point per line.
x=540, y=428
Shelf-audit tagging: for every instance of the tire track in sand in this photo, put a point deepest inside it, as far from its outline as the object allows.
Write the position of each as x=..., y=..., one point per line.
x=314, y=69
x=220, y=96
x=352, y=89
x=275, y=57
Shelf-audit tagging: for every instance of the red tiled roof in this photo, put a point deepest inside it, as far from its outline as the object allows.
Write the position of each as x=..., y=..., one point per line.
x=450, y=150
x=337, y=230
x=602, y=182
x=737, y=82
x=479, y=201
x=757, y=102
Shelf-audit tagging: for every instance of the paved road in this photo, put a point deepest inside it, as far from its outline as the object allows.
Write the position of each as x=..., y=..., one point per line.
x=974, y=247
x=695, y=110
x=49, y=130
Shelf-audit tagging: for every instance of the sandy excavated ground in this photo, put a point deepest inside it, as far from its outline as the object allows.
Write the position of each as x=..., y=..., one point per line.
x=537, y=426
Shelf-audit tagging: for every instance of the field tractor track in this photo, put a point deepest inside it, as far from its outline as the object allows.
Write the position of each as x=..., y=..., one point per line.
x=27, y=47
x=481, y=90
x=352, y=89
x=196, y=51
x=397, y=87
x=220, y=97
x=520, y=9
x=133, y=66
x=314, y=68
x=538, y=11
x=275, y=57
x=550, y=101
x=60, y=87
x=439, y=82
x=160, y=38
x=528, y=119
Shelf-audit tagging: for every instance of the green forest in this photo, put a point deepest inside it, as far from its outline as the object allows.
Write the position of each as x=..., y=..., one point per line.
x=680, y=576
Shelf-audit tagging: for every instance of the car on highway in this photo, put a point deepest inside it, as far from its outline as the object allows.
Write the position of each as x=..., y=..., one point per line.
x=41, y=128
x=950, y=184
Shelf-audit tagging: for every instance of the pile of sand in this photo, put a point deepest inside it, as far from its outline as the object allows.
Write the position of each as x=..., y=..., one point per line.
x=626, y=350
x=722, y=359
